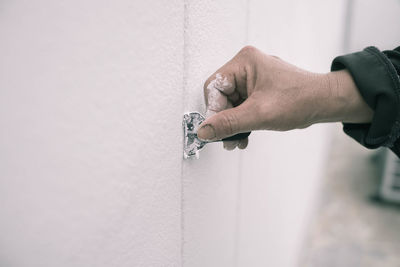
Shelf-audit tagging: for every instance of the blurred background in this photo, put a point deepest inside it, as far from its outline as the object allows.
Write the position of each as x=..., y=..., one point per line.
x=92, y=95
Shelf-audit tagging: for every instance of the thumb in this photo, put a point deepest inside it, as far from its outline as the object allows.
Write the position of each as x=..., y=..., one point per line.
x=228, y=122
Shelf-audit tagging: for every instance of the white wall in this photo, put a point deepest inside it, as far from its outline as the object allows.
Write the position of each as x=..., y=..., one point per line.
x=281, y=171
x=380, y=28
x=90, y=139
x=215, y=31
x=91, y=100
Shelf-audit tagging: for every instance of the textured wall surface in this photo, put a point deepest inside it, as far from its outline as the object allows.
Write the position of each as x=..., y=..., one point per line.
x=90, y=139
x=281, y=171
x=91, y=101
x=215, y=31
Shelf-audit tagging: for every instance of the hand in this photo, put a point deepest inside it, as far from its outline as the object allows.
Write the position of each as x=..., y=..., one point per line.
x=255, y=91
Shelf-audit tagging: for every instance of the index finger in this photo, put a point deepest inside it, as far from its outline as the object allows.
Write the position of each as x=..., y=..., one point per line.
x=216, y=90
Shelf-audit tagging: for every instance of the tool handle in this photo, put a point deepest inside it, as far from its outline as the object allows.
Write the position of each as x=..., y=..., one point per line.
x=238, y=136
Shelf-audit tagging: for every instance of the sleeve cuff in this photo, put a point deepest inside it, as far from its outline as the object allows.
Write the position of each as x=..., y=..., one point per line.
x=379, y=85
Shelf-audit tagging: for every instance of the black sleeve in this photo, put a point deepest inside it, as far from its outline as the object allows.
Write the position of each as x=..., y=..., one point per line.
x=376, y=75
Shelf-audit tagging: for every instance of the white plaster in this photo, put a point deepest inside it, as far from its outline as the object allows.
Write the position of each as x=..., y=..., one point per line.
x=215, y=96
x=217, y=90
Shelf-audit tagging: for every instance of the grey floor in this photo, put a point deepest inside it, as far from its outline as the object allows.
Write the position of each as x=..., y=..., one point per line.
x=350, y=227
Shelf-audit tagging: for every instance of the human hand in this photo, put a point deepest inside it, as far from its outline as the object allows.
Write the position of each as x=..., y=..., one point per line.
x=255, y=91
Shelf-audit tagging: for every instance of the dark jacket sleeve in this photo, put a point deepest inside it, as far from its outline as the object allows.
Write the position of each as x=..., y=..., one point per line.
x=376, y=75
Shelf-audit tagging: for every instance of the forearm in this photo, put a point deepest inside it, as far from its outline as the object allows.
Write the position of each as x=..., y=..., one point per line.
x=334, y=97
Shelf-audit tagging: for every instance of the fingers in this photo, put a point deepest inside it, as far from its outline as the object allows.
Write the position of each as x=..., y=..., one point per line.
x=226, y=86
x=231, y=145
x=221, y=95
x=234, y=98
x=216, y=93
x=229, y=122
x=224, y=90
x=241, y=144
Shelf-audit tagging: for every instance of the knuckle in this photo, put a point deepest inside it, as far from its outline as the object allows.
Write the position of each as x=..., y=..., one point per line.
x=276, y=57
x=242, y=72
x=248, y=49
x=207, y=82
x=248, y=57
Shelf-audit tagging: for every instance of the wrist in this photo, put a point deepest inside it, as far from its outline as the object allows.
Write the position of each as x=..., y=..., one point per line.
x=342, y=101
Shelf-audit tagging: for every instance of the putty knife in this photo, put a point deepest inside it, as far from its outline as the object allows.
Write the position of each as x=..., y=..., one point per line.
x=192, y=144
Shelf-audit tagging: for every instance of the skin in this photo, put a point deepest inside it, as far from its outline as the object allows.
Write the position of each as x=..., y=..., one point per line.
x=256, y=91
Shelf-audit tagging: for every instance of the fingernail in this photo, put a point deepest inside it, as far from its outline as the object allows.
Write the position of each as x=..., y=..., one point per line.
x=206, y=133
